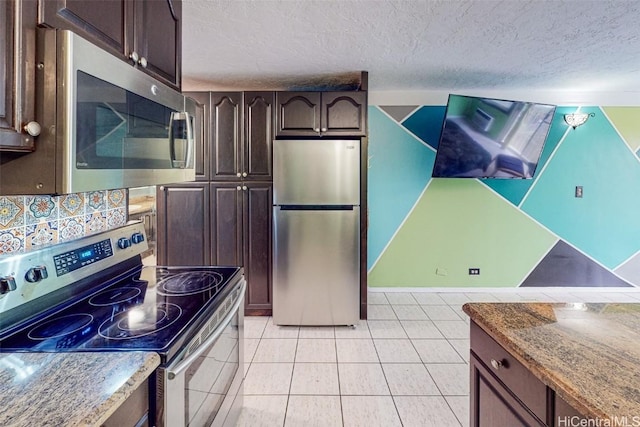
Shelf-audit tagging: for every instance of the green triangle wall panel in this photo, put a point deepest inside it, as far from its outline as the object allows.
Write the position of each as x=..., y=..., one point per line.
x=459, y=224
x=603, y=223
x=625, y=120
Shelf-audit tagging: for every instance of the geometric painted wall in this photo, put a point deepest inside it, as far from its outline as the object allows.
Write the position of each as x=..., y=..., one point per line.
x=428, y=232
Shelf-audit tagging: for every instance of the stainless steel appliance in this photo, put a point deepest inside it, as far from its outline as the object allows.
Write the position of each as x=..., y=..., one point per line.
x=93, y=294
x=316, y=228
x=104, y=124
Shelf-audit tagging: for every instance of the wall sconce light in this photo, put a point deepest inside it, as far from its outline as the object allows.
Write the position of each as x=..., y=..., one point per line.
x=577, y=119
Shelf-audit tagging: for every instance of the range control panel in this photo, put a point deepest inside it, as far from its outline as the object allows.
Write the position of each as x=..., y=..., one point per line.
x=73, y=260
x=29, y=276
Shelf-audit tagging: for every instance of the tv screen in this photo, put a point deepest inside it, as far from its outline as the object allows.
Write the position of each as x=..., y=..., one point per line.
x=491, y=138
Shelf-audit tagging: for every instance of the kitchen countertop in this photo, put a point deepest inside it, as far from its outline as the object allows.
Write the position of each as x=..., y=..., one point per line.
x=70, y=389
x=589, y=353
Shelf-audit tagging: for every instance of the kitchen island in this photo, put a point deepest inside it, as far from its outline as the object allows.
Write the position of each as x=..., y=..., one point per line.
x=70, y=389
x=555, y=364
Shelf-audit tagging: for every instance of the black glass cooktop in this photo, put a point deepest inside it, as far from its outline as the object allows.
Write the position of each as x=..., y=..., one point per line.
x=154, y=309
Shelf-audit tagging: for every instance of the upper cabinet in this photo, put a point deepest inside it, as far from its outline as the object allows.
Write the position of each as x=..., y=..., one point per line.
x=147, y=33
x=321, y=113
x=237, y=136
x=17, y=87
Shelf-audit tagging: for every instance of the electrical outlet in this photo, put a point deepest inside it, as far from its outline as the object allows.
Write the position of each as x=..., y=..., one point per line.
x=474, y=272
x=579, y=191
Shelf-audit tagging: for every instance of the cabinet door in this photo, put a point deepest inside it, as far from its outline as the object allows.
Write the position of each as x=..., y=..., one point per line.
x=183, y=224
x=297, y=113
x=201, y=133
x=257, y=214
x=258, y=135
x=226, y=128
x=105, y=23
x=344, y=113
x=226, y=223
x=16, y=73
x=492, y=404
x=157, y=39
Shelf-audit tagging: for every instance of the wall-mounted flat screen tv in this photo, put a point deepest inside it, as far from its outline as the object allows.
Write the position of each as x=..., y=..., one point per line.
x=491, y=138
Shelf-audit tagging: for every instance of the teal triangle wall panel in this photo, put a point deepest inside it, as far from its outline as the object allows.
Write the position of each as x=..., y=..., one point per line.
x=399, y=170
x=426, y=124
x=603, y=223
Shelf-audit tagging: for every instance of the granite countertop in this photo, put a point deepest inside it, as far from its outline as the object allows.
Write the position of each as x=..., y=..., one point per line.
x=70, y=389
x=589, y=353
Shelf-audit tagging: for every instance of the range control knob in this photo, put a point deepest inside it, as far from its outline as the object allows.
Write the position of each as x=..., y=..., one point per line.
x=36, y=274
x=137, y=238
x=124, y=243
x=7, y=284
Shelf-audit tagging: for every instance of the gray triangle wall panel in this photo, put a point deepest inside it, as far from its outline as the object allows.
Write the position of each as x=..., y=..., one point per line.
x=566, y=267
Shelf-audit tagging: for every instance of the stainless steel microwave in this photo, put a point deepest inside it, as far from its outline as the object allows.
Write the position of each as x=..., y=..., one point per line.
x=104, y=124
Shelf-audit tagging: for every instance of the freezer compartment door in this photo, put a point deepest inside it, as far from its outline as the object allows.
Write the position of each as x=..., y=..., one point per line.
x=316, y=172
x=316, y=274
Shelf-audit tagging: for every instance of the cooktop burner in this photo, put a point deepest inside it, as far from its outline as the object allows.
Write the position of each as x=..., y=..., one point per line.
x=137, y=323
x=114, y=296
x=189, y=283
x=60, y=326
x=152, y=308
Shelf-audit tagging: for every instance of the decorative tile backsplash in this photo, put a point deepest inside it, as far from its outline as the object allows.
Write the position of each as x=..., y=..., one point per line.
x=29, y=222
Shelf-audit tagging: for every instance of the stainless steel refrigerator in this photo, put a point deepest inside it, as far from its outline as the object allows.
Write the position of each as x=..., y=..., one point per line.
x=316, y=229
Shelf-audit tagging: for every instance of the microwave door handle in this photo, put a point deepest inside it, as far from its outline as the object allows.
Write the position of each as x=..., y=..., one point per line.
x=176, y=369
x=188, y=159
x=181, y=161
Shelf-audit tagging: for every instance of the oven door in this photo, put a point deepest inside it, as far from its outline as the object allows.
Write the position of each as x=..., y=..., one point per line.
x=204, y=386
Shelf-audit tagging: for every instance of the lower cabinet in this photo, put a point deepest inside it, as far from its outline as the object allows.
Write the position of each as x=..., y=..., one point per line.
x=504, y=393
x=220, y=223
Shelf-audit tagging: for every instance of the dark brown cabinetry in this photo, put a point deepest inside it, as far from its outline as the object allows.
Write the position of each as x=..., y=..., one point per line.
x=504, y=393
x=321, y=114
x=233, y=158
x=183, y=224
x=147, y=33
x=17, y=87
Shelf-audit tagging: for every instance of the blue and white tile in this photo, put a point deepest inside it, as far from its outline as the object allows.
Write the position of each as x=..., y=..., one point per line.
x=41, y=209
x=11, y=212
x=12, y=241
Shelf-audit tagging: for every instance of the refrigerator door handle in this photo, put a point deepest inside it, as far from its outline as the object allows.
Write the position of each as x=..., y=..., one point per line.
x=316, y=207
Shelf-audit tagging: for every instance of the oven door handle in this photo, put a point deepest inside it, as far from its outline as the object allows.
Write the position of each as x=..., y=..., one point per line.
x=173, y=371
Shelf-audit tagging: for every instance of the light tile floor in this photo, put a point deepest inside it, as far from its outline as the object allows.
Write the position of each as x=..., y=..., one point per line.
x=407, y=365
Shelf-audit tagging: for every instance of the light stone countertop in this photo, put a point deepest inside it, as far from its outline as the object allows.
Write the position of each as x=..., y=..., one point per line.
x=70, y=389
x=589, y=353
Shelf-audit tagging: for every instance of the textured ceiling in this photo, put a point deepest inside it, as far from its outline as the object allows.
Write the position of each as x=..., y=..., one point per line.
x=413, y=45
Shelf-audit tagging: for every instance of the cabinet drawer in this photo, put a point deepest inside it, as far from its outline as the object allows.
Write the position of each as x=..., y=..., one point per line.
x=518, y=379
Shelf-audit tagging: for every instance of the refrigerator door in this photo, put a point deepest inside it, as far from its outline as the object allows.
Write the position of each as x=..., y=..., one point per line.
x=320, y=172
x=316, y=277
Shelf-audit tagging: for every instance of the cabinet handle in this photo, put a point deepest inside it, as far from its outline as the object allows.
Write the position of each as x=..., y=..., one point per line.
x=244, y=174
x=324, y=129
x=238, y=175
x=134, y=57
x=316, y=130
x=238, y=188
x=244, y=187
x=497, y=364
x=143, y=62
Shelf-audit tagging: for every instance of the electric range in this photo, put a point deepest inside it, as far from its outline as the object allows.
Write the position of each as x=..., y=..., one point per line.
x=94, y=294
